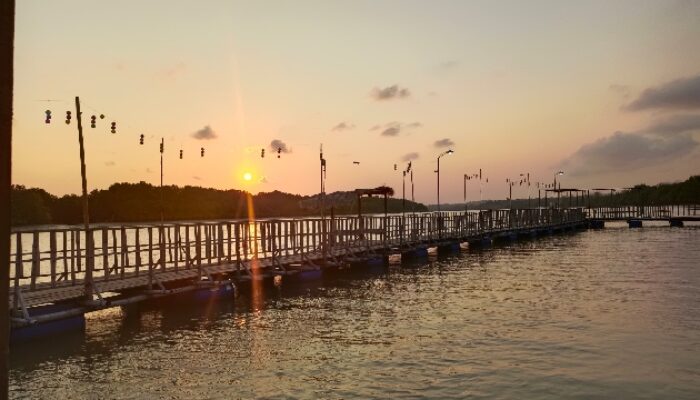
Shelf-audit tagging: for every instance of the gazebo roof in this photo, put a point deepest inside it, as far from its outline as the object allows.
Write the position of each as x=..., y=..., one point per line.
x=565, y=190
x=381, y=191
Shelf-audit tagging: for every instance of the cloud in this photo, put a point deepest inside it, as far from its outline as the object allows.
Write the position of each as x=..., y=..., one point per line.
x=622, y=90
x=173, y=71
x=661, y=141
x=110, y=163
x=392, y=130
x=448, y=65
x=675, y=124
x=627, y=151
x=343, y=126
x=410, y=156
x=681, y=94
x=205, y=133
x=389, y=93
x=444, y=143
x=278, y=144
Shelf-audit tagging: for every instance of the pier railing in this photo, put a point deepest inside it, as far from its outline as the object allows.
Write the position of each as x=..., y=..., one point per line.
x=644, y=212
x=47, y=258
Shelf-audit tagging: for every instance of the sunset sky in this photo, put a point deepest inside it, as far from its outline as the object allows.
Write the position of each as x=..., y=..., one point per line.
x=607, y=91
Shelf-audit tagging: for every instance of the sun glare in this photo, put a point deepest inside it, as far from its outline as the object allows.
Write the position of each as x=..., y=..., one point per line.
x=247, y=176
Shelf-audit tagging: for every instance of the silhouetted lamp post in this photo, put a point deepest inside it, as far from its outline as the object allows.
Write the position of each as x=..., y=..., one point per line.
x=510, y=184
x=450, y=151
x=525, y=178
x=465, y=191
x=413, y=197
x=558, y=173
x=323, y=202
x=403, y=200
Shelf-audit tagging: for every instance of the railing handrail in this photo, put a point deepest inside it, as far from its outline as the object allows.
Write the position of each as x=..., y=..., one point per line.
x=48, y=257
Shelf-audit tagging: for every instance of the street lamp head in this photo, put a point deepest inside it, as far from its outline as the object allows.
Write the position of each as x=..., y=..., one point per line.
x=560, y=173
x=450, y=151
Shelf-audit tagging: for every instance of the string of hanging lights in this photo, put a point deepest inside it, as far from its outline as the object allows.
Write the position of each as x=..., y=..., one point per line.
x=48, y=116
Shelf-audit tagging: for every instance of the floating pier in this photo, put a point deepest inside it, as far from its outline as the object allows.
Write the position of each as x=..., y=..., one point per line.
x=61, y=274
x=635, y=216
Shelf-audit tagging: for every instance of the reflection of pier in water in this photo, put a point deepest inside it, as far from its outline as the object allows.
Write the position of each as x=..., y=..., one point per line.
x=107, y=331
x=132, y=263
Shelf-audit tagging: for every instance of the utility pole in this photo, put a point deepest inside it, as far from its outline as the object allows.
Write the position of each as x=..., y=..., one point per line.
x=323, y=202
x=450, y=151
x=162, y=149
x=465, y=192
x=7, y=34
x=403, y=197
x=480, y=197
x=510, y=194
x=528, y=190
x=438, y=184
x=89, y=262
x=558, y=190
x=413, y=198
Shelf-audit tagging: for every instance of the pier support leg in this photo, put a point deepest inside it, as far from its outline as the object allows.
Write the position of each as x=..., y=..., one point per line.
x=676, y=223
x=635, y=223
x=448, y=248
x=596, y=224
x=481, y=243
x=416, y=253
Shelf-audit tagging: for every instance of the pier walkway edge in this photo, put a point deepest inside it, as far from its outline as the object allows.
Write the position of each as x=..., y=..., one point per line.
x=135, y=262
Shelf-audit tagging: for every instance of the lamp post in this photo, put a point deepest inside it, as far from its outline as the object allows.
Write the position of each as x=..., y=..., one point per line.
x=465, y=192
x=413, y=198
x=323, y=202
x=510, y=184
x=403, y=193
x=403, y=199
x=468, y=177
x=449, y=151
x=525, y=178
x=480, y=188
x=558, y=173
x=162, y=149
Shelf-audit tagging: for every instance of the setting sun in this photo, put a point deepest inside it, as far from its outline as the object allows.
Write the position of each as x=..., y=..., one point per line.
x=247, y=176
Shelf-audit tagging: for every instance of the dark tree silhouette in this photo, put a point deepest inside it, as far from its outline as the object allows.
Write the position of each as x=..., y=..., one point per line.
x=140, y=202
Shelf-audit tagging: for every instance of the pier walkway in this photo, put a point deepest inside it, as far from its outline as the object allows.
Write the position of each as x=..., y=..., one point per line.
x=634, y=215
x=64, y=272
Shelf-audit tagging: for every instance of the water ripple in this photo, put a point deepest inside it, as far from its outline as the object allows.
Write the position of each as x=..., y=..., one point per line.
x=597, y=314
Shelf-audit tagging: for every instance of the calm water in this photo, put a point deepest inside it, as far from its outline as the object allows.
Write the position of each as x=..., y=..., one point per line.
x=598, y=314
